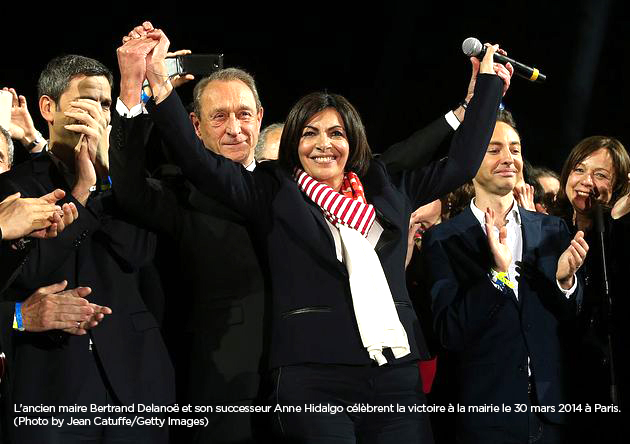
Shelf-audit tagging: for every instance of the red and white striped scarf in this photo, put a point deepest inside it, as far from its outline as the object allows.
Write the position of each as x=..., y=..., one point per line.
x=372, y=301
x=349, y=208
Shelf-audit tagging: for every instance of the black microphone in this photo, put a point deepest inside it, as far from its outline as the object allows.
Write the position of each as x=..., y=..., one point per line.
x=473, y=48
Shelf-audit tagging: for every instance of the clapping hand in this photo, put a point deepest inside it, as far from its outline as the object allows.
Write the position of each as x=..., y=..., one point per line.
x=622, y=206
x=22, y=127
x=498, y=246
x=55, y=308
x=524, y=195
x=572, y=258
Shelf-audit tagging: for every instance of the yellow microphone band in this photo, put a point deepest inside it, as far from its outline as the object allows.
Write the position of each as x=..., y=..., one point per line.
x=534, y=75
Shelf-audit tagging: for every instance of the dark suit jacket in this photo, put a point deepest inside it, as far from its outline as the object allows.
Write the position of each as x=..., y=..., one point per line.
x=211, y=258
x=312, y=316
x=205, y=254
x=11, y=261
x=103, y=251
x=490, y=334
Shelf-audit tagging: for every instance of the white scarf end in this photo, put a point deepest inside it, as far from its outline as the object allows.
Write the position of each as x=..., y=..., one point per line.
x=377, y=355
x=399, y=352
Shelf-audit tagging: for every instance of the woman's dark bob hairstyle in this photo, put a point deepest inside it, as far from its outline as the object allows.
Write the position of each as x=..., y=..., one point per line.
x=359, y=156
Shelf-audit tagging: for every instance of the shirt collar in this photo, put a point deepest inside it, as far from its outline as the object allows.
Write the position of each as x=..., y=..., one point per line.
x=251, y=166
x=513, y=215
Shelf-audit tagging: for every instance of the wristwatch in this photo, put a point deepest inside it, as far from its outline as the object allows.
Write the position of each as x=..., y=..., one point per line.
x=38, y=139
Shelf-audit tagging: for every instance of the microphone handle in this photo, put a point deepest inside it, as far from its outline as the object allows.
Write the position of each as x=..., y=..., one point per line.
x=524, y=71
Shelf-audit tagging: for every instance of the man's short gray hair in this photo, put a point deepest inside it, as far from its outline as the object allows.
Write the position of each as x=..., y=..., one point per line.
x=7, y=137
x=224, y=75
x=262, y=139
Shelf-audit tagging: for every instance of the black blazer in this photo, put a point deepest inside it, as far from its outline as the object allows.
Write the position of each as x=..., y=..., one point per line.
x=103, y=251
x=489, y=333
x=312, y=316
x=206, y=254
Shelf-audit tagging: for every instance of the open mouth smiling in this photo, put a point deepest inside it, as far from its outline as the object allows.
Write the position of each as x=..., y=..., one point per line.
x=324, y=159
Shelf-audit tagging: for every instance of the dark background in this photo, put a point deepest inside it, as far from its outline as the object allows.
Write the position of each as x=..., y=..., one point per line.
x=400, y=63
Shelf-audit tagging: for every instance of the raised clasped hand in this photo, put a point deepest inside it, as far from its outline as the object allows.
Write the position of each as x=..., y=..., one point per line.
x=132, y=62
x=156, y=72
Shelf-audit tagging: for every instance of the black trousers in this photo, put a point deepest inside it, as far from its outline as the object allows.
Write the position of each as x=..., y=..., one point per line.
x=323, y=403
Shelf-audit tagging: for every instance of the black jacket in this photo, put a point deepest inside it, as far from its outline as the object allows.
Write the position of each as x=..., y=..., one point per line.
x=312, y=316
x=488, y=333
x=103, y=251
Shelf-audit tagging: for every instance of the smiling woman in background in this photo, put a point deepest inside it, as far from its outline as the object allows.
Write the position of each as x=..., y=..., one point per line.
x=596, y=174
x=596, y=170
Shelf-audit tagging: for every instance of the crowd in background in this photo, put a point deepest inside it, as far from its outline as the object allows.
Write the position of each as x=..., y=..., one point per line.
x=188, y=283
